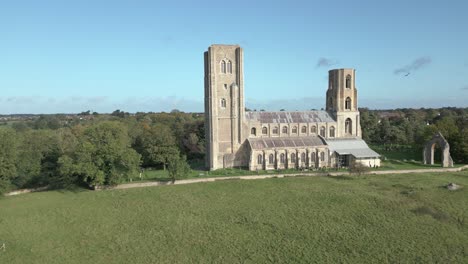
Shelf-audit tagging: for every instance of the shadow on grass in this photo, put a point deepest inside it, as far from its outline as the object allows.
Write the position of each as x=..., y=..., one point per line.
x=438, y=215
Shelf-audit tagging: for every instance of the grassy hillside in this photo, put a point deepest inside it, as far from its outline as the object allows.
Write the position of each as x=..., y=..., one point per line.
x=368, y=219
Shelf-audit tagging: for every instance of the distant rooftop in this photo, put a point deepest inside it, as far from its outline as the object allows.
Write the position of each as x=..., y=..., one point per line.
x=290, y=117
x=285, y=142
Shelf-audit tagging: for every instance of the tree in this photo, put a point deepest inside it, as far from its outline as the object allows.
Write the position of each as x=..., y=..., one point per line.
x=8, y=146
x=103, y=156
x=178, y=167
x=157, y=145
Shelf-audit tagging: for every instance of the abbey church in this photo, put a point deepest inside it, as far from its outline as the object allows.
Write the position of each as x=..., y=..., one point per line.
x=279, y=140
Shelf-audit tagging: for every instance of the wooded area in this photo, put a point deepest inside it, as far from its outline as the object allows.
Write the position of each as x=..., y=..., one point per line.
x=106, y=149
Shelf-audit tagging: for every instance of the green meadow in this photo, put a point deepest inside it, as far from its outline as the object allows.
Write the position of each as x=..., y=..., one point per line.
x=349, y=219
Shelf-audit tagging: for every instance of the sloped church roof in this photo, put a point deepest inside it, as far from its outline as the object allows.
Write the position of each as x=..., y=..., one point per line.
x=290, y=117
x=285, y=142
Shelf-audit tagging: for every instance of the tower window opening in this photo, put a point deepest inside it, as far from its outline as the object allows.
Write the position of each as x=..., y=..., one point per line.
x=229, y=67
x=223, y=67
x=223, y=103
x=348, y=81
x=225, y=86
x=349, y=126
x=348, y=103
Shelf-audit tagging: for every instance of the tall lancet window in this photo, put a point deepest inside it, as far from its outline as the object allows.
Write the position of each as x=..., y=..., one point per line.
x=348, y=126
x=223, y=103
x=223, y=67
x=348, y=103
x=229, y=67
x=348, y=81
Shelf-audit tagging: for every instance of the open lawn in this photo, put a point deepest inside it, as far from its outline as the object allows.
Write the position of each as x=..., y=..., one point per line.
x=365, y=219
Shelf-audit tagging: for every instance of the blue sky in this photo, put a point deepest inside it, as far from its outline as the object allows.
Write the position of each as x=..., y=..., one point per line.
x=71, y=56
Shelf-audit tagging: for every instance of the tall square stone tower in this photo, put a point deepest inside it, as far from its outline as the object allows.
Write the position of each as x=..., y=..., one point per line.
x=224, y=104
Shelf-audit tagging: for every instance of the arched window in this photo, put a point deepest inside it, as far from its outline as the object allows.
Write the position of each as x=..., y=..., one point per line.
x=223, y=103
x=253, y=131
x=223, y=67
x=348, y=103
x=285, y=130
x=259, y=159
x=229, y=67
x=303, y=157
x=313, y=129
x=293, y=158
x=225, y=86
x=264, y=130
x=322, y=156
x=349, y=126
x=332, y=131
x=282, y=158
x=304, y=130
x=271, y=159
x=322, y=131
x=312, y=157
x=294, y=130
x=348, y=81
x=275, y=130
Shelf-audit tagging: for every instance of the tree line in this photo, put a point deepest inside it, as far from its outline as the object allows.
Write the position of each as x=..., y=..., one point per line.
x=104, y=150
x=107, y=149
x=414, y=127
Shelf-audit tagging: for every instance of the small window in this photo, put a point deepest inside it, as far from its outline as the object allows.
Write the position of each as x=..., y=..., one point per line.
x=294, y=130
x=313, y=130
x=225, y=86
x=332, y=131
x=304, y=130
x=322, y=131
x=271, y=159
x=282, y=158
x=229, y=67
x=348, y=126
x=259, y=159
x=275, y=130
x=348, y=103
x=285, y=130
x=253, y=131
x=293, y=158
x=322, y=156
x=223, y=67
x=223, y=103
x=264, y=131
x=348, y=81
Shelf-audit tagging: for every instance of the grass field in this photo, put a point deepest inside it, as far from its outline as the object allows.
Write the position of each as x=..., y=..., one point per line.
x=365, y=219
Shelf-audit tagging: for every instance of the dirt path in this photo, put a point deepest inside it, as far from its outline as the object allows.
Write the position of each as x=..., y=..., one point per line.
x=256, y=177
x=248, y=177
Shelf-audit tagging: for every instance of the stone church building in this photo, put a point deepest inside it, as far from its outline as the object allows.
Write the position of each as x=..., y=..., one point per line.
x=278, y=140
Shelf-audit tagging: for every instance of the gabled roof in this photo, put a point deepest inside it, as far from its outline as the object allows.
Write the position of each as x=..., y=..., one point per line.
x=285, y=142
x=290, y=117
x=351, y=146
